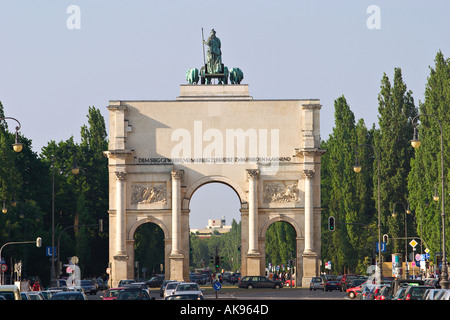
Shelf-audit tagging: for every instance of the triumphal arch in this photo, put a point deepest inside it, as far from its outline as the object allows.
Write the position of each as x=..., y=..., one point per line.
x=160, y=152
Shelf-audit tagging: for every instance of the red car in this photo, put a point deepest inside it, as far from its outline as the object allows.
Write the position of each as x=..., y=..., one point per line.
x=111, y=294
x=352, y=292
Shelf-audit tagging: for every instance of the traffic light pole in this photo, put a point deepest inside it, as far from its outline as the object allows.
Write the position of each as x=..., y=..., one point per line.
x=38, y=243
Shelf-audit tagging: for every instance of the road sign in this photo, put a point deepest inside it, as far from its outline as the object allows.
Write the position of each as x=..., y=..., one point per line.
x=4, y=267
x=48, y=251
x=413, y=243
x=383, y=246
x=217, y=286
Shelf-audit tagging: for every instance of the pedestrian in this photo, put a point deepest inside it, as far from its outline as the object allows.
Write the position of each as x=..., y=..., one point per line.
x=36, y=286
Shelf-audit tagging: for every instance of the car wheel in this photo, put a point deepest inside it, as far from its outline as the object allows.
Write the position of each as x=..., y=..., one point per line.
x=351, y=295
x=277, y=286
x=249, y=286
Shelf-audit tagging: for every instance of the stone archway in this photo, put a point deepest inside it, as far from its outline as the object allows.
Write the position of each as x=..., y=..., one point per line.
x=160, y=152
x=299, y=242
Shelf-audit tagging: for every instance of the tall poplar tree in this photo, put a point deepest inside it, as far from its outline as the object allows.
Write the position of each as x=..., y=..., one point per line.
x=339, y=187
x=425, y=175
x=396, y=110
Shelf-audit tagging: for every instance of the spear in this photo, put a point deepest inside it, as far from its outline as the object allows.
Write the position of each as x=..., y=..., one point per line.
x=204, y=59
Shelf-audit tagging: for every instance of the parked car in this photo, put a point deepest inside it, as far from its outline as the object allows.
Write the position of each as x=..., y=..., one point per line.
x=10, y=292
x=155, y=282
x=385, y=293
x=446, y=295
x=433, y=294
x=185, y=297
x=69, y=295
x=188, y=288
x=123, y=283
x=355, y=283
x=399, y=295
x=415, y=292
x=364, y=291
x=251, y=282
x=331, y=283
x=434, y=282
x=35, y=295
x=316, y=283
x=235, y=277
x=163, y=287
x=374, y=292
x=133, y=294
x=111, y=294
x=170, y=288
x=397, y=283
x=353, y=291
x=88, y=286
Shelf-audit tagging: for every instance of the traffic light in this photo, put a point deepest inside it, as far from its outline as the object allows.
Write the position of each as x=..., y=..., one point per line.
x=331, y=223
x=217, y=262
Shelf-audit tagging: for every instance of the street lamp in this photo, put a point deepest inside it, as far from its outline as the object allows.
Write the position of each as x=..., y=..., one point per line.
x=415, y=142
x=357, y=168
x=394, y=214
x=75, y=170
x=17, y=146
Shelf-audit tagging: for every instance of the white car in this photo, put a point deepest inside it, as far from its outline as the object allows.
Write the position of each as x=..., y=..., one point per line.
x=188, y=288
x=170, y=288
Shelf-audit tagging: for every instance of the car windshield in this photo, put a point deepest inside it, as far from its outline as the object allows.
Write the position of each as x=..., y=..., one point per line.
x=112, y=293
x=132, y=295
x=171, y=285
x=67, y=297
x=187, y=287
x=8, y=295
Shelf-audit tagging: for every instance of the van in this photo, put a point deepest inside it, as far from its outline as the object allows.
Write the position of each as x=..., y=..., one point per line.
x=10, y=292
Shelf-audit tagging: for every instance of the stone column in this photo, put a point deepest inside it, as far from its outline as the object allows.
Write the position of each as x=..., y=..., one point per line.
x=309, y=213
x=176, y=256
x=310, y=261
x=120, y=213
x=253, y=254
x=176, y=210
x=253, y=176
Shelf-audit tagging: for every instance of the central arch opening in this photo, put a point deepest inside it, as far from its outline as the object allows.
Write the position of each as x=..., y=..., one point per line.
x=215, y=229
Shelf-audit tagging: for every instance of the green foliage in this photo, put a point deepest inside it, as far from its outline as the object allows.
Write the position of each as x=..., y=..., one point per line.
x=396, y=111
x=227, y=244
x=280, y=243
x=425, y=175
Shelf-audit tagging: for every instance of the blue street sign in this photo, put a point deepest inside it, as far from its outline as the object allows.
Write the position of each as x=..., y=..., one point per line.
x=383, y=247
x=217, y=286
x=48, y=251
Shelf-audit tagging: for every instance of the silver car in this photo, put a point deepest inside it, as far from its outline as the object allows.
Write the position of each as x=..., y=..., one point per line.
x=316, y=283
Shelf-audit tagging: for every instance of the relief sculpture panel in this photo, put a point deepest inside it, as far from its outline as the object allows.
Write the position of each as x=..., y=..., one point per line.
x=280, y=191
x=149, y=193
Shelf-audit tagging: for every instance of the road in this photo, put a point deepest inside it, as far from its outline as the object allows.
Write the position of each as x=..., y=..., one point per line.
x=234, y=293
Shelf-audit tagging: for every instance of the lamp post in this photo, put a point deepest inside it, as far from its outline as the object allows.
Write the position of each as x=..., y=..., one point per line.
x=415, y=142
x=357, y=169
x=394, y=214
x=17, y=146
x=75, y=171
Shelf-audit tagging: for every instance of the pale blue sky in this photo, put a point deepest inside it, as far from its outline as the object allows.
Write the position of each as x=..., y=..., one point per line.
x=141, y=49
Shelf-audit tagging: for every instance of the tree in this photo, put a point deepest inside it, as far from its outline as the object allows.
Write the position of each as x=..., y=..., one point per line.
x=425, y=174
x=396, y=111
x=339, y=189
